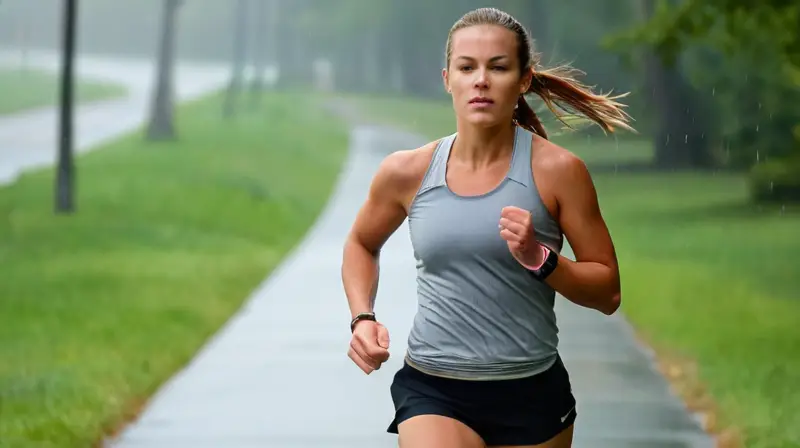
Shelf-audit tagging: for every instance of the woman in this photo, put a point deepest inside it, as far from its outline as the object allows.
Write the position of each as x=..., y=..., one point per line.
x=487, y=208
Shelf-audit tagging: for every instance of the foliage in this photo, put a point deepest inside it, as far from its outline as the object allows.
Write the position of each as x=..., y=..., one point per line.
x=728, y=25
x=776, y=180
x=747, y=54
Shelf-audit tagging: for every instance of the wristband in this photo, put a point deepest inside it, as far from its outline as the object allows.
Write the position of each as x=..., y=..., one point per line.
x=545, y=252
x=547, y=266
x=359, y=317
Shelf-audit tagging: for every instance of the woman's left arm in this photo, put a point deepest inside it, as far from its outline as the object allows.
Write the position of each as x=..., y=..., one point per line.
x=592, y=280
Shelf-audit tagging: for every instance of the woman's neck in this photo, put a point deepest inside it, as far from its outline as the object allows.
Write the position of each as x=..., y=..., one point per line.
x=481, y=146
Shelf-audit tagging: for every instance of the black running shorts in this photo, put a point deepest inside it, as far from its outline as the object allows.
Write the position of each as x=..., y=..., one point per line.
x=525, y=411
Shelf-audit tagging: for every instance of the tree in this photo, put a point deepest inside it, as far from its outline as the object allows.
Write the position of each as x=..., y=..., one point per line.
x=755, y=51
x=239, y=60
x=162, y=111
x=681, y=120
x=261, y=19
x=65, y=171
x=727, y=25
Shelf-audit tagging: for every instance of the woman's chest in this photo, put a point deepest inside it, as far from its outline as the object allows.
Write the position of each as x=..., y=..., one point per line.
x=446, y=227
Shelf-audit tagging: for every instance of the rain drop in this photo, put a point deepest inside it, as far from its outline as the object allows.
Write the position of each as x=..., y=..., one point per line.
x=757, y=126
x=686, y=139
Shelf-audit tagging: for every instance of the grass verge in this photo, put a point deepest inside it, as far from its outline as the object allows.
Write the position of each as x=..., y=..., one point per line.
x=22, y=89
x=709, y=280
x=99, y=308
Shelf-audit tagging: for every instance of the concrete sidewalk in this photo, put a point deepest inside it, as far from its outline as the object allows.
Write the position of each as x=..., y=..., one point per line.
x=29, y=140
x=277, y=374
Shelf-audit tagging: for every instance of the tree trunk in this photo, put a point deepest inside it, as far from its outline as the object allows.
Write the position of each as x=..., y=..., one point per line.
x=681, y=123
x=65, y=171
x=296, y=62
x=239, y=59
x=162, y=109
x=261, y=19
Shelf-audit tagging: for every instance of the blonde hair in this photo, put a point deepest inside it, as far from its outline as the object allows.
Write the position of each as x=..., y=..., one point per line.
x=557, y=87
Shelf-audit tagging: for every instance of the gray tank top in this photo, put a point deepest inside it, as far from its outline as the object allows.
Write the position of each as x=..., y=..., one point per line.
x=480, y=314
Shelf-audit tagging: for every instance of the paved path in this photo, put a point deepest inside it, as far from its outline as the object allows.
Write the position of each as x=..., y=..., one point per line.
x=278, y=376
x=29, y=140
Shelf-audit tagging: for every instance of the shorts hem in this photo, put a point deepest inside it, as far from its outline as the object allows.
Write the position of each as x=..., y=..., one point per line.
x=524, y=438
x=401, y=417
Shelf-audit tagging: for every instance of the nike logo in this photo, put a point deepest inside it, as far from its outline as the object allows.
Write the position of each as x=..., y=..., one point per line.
x=564, y=418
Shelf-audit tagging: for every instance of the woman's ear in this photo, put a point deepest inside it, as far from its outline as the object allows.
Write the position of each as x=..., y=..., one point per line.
x=446, y=80
x=527, y=79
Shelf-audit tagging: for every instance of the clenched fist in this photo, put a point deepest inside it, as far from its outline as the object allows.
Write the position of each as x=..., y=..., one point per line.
x=369, y=346
x=516, y=228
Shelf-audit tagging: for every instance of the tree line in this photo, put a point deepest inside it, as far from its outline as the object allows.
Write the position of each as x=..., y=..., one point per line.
x=715, y=81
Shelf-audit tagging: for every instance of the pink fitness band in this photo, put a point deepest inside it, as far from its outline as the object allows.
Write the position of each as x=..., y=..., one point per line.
x=545, y=252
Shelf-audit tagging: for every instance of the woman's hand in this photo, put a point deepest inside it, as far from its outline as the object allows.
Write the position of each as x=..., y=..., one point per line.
x=369, y=346
x=516, y=227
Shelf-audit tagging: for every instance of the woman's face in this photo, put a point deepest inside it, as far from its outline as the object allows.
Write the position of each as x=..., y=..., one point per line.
x=483, y=76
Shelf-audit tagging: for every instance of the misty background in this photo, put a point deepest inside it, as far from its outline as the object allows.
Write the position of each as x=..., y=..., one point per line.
x=204, y=140
x=708, y=110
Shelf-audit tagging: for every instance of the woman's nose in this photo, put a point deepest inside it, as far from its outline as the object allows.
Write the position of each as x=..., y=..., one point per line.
x=481, y=80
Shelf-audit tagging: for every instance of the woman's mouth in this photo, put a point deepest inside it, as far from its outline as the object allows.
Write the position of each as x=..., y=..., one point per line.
x=480, y=101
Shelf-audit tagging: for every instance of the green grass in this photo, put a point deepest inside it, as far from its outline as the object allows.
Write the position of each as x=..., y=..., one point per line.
x=706, y=275
x=22, y=89
x=710, y=278
x=99, y=308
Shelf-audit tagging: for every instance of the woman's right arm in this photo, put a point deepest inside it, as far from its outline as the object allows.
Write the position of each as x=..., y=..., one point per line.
x=380, y=215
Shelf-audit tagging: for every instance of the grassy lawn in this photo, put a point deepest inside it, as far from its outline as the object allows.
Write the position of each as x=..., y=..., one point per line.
x=98, y=309
x=687, y=245
x=26, y=89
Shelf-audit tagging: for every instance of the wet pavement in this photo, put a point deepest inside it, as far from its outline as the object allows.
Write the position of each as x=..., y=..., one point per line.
x=277, y=374
x=29, y=140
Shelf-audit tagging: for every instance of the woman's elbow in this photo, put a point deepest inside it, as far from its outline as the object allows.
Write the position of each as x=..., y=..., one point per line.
x=612, y=304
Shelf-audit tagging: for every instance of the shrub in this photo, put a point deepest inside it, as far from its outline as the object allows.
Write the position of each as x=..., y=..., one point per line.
x=777, y=180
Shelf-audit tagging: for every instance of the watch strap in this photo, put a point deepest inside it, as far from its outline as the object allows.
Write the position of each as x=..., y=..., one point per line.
x=548, y=265
x=359, y=317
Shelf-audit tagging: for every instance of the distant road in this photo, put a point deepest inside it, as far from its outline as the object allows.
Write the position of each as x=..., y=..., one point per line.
x=29, y=139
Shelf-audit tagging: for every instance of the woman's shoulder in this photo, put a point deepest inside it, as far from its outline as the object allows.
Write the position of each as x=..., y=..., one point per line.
x=408, y=165
x=554, y=158
x=400, y=173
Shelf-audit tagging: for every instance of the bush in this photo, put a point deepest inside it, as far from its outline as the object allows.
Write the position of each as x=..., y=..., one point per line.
x=777, y=180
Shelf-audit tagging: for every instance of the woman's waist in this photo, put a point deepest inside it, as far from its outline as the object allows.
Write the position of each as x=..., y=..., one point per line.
x=445, y=365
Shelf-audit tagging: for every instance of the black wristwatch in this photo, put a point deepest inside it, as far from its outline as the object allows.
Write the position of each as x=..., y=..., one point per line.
x=549, y=265
x=359, y=317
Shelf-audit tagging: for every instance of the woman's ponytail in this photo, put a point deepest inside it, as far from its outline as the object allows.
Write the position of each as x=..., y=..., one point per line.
x=558, y=87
